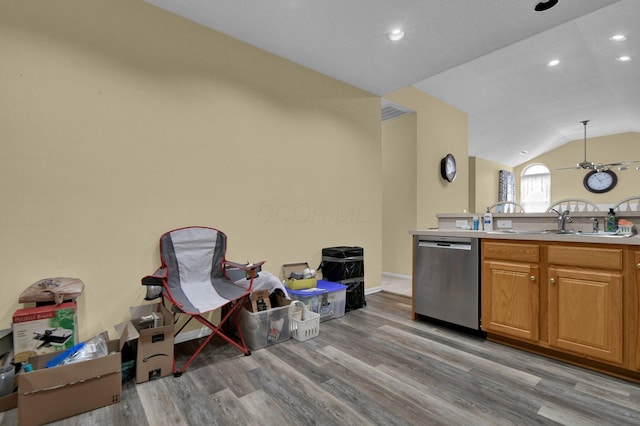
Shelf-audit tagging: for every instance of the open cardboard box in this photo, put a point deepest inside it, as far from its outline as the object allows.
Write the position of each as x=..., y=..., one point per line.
x=49, y=394
x=294, y=284
x=154, y=353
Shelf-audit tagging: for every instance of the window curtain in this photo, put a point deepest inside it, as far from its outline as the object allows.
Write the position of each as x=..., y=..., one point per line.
x=535, y=192
x=506, y=186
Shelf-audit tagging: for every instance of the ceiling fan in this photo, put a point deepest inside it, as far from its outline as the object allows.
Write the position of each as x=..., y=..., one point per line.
x=598, y=167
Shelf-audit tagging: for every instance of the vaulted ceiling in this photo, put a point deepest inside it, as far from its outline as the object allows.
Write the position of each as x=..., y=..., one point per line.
x=487, y=58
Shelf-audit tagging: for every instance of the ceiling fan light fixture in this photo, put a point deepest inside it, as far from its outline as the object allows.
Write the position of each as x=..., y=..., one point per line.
x=396, y=35
x=545, y=5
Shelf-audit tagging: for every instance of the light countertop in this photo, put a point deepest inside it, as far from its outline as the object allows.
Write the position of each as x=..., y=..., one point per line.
x=571, y=238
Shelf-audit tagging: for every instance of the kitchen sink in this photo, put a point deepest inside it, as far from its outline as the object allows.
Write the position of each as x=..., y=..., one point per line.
x=605, y=234
x=564, y=232
x=515, y=231
x=521, y=231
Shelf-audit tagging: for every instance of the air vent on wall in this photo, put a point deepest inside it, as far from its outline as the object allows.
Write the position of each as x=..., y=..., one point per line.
x=391, y=110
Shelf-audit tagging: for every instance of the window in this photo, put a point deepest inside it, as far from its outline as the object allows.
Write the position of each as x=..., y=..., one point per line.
x=535, y=188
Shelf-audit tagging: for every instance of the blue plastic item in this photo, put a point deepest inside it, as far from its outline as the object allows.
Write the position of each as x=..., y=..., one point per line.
x=69, y=353
x=312, y=297
x=330, y=286
x=334, y=303
x=307, y=292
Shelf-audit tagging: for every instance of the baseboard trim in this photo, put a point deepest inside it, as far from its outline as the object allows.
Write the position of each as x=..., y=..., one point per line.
x=373, y=290
x=192, y=334
x=394, y=275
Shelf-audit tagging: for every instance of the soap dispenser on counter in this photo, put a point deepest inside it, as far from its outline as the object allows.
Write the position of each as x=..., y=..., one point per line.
x=610, y=224
x=487, y=221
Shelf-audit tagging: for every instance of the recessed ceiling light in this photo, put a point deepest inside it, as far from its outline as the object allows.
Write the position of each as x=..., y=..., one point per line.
x=524, y=151
x=396, y=35
x=545, y=5
x=553, y=62
x=623, y=58
x=618, y=37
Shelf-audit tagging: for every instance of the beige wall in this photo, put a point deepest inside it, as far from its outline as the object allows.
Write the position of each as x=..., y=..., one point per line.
x=413, y=191
x=121, y=121
x=605, y=149
x=483, y=186
x=399, y=212
x=441, y=129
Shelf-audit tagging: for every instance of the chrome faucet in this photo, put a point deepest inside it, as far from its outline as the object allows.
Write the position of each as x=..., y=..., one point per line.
x=563, y=218
x=594, y=223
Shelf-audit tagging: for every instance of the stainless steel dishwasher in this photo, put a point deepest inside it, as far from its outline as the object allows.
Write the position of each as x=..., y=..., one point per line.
x=446, y=274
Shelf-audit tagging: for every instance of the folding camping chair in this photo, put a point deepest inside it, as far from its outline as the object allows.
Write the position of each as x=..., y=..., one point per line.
x=193, y=278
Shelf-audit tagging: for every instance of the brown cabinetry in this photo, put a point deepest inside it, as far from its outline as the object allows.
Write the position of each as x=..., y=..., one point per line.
x=634, y=305
x=585, y=301
x=560, y=297
x=510, y=289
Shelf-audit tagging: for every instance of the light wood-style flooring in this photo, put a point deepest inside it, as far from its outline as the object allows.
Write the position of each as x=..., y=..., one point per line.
x=374, y=366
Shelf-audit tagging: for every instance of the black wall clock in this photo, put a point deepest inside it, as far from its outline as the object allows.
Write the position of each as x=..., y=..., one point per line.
x=600, y=182
x=448, y=168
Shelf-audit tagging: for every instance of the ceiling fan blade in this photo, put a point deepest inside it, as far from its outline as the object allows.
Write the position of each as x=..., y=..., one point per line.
x=622, y=165
x=569, y=168
x=599, y=167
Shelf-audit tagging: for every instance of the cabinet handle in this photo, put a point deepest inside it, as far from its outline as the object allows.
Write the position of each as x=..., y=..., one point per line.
x=532, y=278
x=552, y=280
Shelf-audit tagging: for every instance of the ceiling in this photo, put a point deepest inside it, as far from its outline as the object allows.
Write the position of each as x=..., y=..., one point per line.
x=487, y=58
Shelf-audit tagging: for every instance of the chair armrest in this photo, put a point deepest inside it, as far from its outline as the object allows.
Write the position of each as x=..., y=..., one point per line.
x=250, y=269
x=154, y=283
x=243, y=266
x=157, y=278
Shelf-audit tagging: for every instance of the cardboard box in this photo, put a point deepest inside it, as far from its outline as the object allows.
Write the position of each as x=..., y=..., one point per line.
x=9, y=402
x=153, y=345
x=260, y=301
x=49, y=394
x=297, y=284
x=43, y=330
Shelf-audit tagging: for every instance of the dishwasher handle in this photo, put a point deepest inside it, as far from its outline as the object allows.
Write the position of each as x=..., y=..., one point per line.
x=447, y=245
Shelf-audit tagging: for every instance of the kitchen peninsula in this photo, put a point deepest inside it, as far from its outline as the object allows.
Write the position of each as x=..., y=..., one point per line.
x=572, y=295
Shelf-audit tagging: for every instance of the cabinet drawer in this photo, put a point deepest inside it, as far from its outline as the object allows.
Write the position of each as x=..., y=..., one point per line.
x=585, y=256
x=522, y=252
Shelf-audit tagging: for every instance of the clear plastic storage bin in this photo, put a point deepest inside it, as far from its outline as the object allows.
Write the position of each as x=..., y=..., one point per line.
x=311, y=297
x=266, y=328
x=334, y=302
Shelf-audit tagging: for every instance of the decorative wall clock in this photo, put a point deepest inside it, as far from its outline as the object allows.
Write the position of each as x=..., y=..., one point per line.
x=448, y=168
x=600, y=181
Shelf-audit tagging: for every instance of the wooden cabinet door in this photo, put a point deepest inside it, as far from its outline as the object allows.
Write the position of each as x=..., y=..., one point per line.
x=510, y=295
x=585, y=312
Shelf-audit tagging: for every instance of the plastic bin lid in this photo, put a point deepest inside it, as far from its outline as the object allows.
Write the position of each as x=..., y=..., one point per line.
x=330, y=286
x=307, y=291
